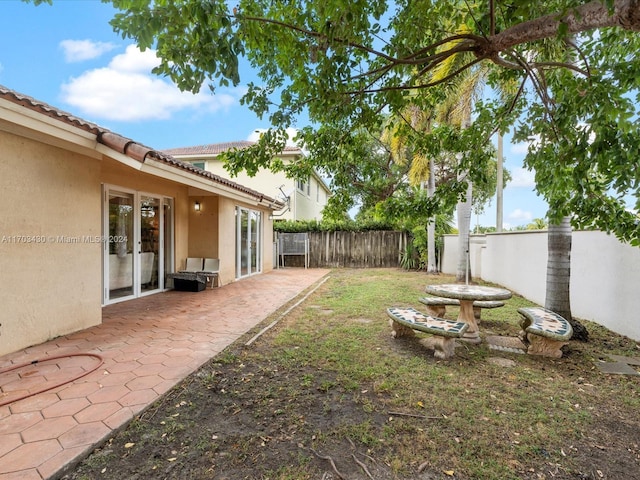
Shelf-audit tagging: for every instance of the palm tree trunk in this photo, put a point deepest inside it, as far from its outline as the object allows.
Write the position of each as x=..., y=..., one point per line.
x=559, y=275
x=431, y=225
x=559, y=268
x=463, y=273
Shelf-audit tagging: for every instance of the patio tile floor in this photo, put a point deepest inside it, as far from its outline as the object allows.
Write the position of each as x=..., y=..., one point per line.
x=146, y=346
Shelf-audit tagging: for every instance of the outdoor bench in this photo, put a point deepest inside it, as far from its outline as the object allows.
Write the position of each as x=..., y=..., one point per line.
x=404, y=321
x=437, y=306
x=545, y=331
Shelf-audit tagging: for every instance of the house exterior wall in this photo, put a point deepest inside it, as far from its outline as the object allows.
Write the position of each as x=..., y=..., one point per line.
x=50, y=262
x=51, y=266
x=55, y=172
x=605, y=273
x=267, y=243
x=308, y=204
x=203, y=229
x=304, y=206
x=227, y=241
x=264, y=181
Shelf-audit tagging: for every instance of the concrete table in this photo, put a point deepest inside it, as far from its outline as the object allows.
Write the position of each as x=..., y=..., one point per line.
x=467, y=294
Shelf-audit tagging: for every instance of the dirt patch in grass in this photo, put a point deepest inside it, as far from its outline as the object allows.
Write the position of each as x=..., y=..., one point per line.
x=328, y=396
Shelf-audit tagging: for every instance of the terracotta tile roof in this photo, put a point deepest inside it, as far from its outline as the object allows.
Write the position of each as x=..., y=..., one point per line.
x=217, y=148
x=125, y=145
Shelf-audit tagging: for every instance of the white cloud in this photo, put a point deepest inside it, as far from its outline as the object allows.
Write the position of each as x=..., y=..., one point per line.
x=520, y=148
x=80, y=50
x=135, y=61
x=523, y=147
x=519, y=216
x=126, y=90
x=521, y=178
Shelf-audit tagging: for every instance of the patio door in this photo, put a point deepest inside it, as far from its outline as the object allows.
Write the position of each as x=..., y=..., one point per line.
x=248, y=243
x=149, y=244
x=138, y=236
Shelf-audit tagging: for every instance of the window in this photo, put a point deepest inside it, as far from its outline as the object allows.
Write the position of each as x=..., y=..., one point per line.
x=304, y=187
x=200, y=164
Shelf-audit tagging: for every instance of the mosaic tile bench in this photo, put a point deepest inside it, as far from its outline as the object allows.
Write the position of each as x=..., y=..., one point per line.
x=545, y=331
x=437, y=306
x=404, y=321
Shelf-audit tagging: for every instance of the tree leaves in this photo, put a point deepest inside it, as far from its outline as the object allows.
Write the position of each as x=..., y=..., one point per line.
x=349, y=64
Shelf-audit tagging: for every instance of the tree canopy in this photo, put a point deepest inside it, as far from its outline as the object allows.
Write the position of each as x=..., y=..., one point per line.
x=349, y=64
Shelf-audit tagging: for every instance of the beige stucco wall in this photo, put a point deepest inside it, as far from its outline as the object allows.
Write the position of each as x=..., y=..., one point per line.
x=50, y=270
x=267, y=242
x=227, y=240
x=203, y=228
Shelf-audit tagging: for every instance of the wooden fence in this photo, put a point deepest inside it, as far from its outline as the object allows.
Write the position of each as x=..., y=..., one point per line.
x=352, y=250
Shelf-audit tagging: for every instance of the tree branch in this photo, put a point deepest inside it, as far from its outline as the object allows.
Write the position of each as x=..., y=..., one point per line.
x=592, y=15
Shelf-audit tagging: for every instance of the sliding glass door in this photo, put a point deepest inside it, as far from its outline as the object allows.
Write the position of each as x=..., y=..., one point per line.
x=119, y=246
x=149, y=243
x=138, y=242
x=248, y=244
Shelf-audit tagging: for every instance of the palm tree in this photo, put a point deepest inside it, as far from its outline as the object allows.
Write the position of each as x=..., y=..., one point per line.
x=457, y=110
x=557, y=289
x=421, y=169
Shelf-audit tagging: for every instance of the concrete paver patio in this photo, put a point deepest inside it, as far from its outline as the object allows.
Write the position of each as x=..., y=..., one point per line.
x=141, y=350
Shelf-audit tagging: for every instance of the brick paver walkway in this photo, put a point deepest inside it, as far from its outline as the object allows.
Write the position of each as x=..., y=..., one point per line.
x=146, y=346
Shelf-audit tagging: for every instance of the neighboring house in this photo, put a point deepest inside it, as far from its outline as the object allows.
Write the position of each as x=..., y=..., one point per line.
x=90, y=218
x=306, y=198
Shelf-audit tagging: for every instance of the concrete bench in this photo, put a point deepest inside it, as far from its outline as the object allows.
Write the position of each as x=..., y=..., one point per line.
x=404, y=321
x=545, y=331
x=437, y=306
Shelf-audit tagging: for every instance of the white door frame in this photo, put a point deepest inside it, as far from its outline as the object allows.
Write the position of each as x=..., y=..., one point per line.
x=249, y=250
x=136, y=244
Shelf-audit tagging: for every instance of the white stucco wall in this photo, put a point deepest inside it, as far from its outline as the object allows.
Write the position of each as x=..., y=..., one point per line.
x=605, y=273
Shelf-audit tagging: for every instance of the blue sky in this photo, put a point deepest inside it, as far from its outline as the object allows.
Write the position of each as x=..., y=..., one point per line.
x=68, y=55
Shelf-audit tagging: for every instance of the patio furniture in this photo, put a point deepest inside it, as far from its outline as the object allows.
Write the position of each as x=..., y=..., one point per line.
x=193, y=264
x=437, y=306
x=544, y=331
x=404, y=321
x=467, y=295
x=211, y=270
x=188, y=281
